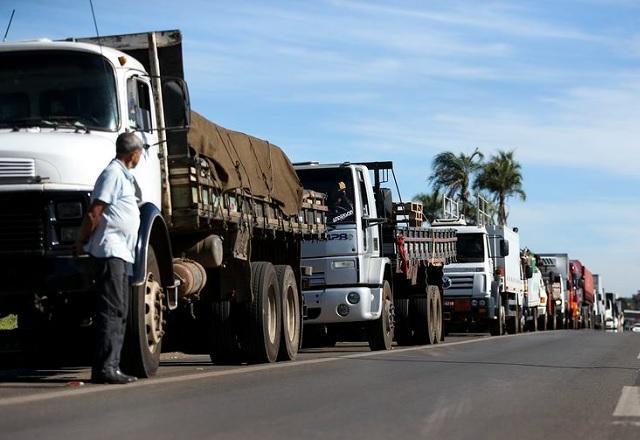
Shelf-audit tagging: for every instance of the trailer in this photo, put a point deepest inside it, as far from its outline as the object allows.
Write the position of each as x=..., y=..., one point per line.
x=561, y=304
x=380, y=271
x=582, y=284
x=223, y=214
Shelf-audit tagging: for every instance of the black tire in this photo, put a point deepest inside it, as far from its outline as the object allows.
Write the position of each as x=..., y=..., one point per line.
x=559, y=321
x=426, y=324
x=438, y=310
x=224, y=346
x=534, y=322
x=497, y=326
x=291, y=314
x=380, y=331
x=542, y=322
x=145, y=324
x=513, y=323
x=264, y=315
x=402, y=329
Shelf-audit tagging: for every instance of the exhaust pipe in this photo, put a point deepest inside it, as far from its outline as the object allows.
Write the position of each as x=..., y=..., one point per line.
x=192, y=276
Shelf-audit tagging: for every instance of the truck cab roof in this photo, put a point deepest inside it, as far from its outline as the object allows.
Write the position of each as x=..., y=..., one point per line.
x=111, y=54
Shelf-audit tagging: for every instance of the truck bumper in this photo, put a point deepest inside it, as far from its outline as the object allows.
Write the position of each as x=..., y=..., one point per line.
x=323, y=306
x=469, y=310
x=26, y=278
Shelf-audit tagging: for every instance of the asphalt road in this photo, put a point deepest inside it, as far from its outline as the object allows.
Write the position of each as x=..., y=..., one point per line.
x=563, y=384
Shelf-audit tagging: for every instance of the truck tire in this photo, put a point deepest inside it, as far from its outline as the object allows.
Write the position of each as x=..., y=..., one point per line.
x=402, y=330
x=542, y=322
x=224, y=345
x=145, y=324
x=534, y=322
x=497, y=326
x=380, y=331
x=264, y=315
x=440, y=318
x=513, y=322
x=560, y=321
x=425, y=315
x=291, y=314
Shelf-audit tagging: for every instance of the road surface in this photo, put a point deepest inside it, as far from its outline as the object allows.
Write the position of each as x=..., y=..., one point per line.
x=551, y=385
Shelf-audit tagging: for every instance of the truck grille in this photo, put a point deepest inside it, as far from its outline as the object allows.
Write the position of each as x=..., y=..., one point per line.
x=461, y=281
x=21, y=223
x=12, y=167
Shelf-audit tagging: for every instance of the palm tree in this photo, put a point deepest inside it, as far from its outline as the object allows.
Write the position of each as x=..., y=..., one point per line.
x=431, y=204
x=454, y=174
x=501, y=177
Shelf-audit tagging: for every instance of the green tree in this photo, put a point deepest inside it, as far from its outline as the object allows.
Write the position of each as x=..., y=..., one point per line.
x=431, y=204
x=454, y=175
x=501, y=176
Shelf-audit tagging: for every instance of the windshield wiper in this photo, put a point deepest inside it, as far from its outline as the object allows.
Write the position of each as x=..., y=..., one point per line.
x=67, y=122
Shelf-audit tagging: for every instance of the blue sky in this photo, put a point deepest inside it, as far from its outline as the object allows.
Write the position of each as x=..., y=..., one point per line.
x=334, y=80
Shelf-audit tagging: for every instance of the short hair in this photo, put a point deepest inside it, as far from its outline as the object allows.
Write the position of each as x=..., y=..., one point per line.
x=128, y=143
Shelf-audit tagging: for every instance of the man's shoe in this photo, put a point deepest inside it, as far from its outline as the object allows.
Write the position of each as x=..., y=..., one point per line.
x=113, y=377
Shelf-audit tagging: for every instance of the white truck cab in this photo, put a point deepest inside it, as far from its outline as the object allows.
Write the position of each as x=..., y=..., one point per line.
x=348, y=268
x=484, y=288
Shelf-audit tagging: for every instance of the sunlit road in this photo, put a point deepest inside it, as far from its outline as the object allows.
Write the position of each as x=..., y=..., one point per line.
x=564, y=384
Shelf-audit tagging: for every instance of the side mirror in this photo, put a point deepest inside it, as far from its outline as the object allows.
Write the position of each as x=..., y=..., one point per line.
x=504, y=247
x=177, y=107
x=529, y=272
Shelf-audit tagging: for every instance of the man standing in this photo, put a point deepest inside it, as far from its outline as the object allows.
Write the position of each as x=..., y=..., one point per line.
x=109, y=233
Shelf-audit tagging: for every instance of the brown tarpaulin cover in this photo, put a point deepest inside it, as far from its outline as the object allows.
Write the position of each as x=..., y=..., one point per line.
x=245, y=162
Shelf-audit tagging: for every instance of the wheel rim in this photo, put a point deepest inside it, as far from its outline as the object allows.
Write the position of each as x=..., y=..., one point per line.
x=153, y=311
x=272, y=321
x=290, y=316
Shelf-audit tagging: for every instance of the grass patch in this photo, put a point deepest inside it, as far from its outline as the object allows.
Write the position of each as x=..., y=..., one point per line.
x=9, y=322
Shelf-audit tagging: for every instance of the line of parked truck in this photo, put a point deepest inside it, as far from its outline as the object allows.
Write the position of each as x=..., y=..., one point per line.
x=238, y=248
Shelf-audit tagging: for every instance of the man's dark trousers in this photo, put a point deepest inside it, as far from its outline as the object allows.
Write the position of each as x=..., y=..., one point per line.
x=112, y=304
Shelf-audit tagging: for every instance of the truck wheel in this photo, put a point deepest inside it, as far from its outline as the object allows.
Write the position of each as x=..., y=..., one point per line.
x=145, y=324
x=264, y=314
x=497, y=326
x=542, y=322
x=440, y=318
x=224, y=345
x=402, y=329
x=380, y=331
x=513, y=323
x=534, y=321
x=291, y=317
x=425, y=316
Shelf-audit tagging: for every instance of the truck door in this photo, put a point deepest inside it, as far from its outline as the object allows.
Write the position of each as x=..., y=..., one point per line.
x=141, y=119
x=370, y=240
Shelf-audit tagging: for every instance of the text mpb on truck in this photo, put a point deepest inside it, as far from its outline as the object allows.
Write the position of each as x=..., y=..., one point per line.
x=378, y=270
x=223, y=213
x=484, y=288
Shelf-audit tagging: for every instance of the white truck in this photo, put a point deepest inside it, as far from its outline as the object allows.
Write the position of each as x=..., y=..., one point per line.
x=222, y=213
x=484, y=288
x=600, y=301
x=375, y=272
x=555, y=272
x=535, y=293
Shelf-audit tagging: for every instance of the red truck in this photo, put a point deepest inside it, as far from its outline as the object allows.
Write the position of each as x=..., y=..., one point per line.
x=582, y=288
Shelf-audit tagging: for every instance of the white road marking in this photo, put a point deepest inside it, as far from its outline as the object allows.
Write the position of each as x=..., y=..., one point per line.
x=638, y=356
x=93, y=389
x=629, y=403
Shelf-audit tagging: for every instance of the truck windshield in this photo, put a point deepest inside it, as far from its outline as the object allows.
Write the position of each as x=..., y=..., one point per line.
x=337, y=184
x=53, y=88
x=470, y=248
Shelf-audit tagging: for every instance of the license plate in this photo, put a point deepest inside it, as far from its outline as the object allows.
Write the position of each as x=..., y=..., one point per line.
x=462, y=305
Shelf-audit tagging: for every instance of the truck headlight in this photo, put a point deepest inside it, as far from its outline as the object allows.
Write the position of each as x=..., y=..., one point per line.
x=353, y=298
x=474, y=302
x=482, y=302
x=69, y=210
x=343, y=310
x=69, y=234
